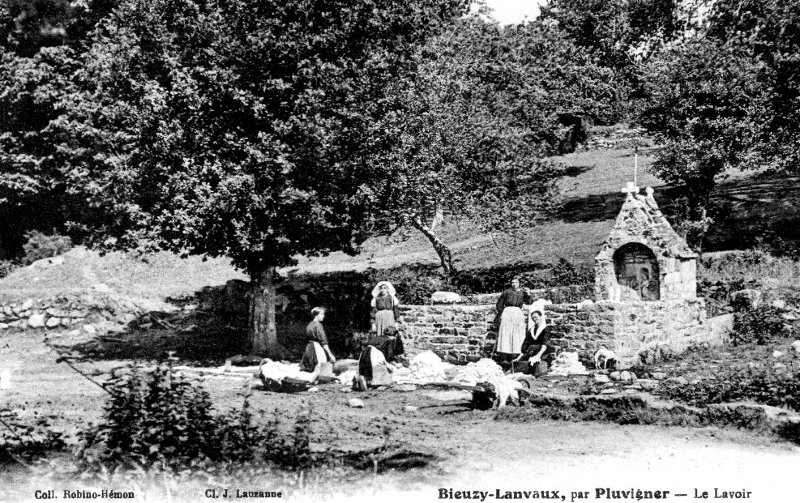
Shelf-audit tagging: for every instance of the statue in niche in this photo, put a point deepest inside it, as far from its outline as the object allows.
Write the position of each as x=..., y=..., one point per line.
x=648, y=286
x=637, y=273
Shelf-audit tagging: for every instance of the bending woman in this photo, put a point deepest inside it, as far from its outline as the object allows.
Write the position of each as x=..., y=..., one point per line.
x=317, y=350
x=511, y=332
x=385, y=307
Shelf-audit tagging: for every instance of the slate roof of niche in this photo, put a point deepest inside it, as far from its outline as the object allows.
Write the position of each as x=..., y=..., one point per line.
x=640, y=220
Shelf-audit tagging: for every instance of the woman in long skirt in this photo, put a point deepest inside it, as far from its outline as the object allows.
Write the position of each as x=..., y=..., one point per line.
x=385, y=307
x=511, y=332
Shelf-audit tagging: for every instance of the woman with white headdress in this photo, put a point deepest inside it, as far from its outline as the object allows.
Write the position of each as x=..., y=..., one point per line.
x=385, y=307
x=536, y=347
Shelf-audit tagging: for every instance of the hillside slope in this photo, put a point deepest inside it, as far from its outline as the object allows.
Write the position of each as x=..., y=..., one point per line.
x=143, y=280
x=592, y=197
x=752, y=207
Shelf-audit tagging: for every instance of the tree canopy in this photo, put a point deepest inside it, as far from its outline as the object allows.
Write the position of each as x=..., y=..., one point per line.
x=724, y=96
x=471, y=132
x=238, y=127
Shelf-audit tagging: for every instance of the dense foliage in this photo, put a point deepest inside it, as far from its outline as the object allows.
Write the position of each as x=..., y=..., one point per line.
x=22, y=441
x=470, y=133
x=758, y=326
x=159, y=419
x=766, y=385
x=722, y=97
x=39, y=44
x=238, y=128
x=617, y=31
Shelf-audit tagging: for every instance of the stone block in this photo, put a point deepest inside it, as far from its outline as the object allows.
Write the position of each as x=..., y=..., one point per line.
x=37, y=320
x=445, y=297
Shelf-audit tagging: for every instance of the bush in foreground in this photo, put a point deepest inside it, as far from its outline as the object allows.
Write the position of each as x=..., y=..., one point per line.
x=160, y=419
x=779, y=387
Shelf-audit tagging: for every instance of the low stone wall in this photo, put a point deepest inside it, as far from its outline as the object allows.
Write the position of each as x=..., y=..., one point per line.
x=635, y=331
x=97, y=312
x=457, y=332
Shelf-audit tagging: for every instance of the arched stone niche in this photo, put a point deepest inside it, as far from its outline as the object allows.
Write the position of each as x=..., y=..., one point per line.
x=637, y=273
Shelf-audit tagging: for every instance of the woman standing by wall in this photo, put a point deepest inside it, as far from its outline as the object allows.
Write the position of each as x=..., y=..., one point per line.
x=511, y=330
x=385, y=307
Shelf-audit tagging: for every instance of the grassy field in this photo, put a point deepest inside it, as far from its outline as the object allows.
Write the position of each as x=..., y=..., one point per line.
x=151, y=278
x=591, y=193
x=749, y=206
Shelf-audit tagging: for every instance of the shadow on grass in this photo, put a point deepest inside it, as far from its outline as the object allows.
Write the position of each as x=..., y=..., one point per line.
x=755, y=209
x=573, y=171
x=196, y=339
x=208, y=346
x=745, y=211
x=602, y=207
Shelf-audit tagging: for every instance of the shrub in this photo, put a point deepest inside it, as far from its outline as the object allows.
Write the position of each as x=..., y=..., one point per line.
x=756, y=325
x=6, y=266
x=778, y=387
x=160, y=419
x=414, y=285
x=750, y=268
x=151, y=419
x=27, y=441
x=39, y=246
x=570, y=294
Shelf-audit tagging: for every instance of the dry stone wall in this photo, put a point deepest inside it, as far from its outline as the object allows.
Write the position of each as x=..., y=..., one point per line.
x=95, y=314
x=635, y=331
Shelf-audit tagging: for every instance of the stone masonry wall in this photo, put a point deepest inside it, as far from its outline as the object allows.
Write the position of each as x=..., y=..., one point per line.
x=94, y=313
x=462, y=333
x=458, y=333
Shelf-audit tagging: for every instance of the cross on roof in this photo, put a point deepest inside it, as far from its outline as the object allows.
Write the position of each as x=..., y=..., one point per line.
x=630, y=188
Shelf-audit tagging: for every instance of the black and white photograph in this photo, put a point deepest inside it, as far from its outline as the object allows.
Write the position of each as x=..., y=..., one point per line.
x=399, y=251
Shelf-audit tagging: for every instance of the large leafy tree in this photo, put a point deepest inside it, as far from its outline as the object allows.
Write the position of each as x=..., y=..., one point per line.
x=702, y=106
x=621, y=34
x=474, y=127
x=725, y=96
x=32, y=189
x=239, y=127
x=767, y=33
x=39, y=41
x=615, y=30
x=28, y=25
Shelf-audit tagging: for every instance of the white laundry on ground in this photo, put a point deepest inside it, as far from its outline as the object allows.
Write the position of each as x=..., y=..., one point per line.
x=428, y=367
x=475, y=372
x=347, y=376
x=567, y=363
x=277, y=371
x=487, y=370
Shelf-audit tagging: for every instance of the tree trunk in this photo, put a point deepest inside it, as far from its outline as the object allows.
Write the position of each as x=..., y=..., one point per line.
x=262, y=337
x=438, y=217
x=445, y=255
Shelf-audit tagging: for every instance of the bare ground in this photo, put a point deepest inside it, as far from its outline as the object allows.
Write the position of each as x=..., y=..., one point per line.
x=476, y=450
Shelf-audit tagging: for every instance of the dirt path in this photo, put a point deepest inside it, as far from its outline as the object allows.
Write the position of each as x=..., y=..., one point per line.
x=477, y=451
